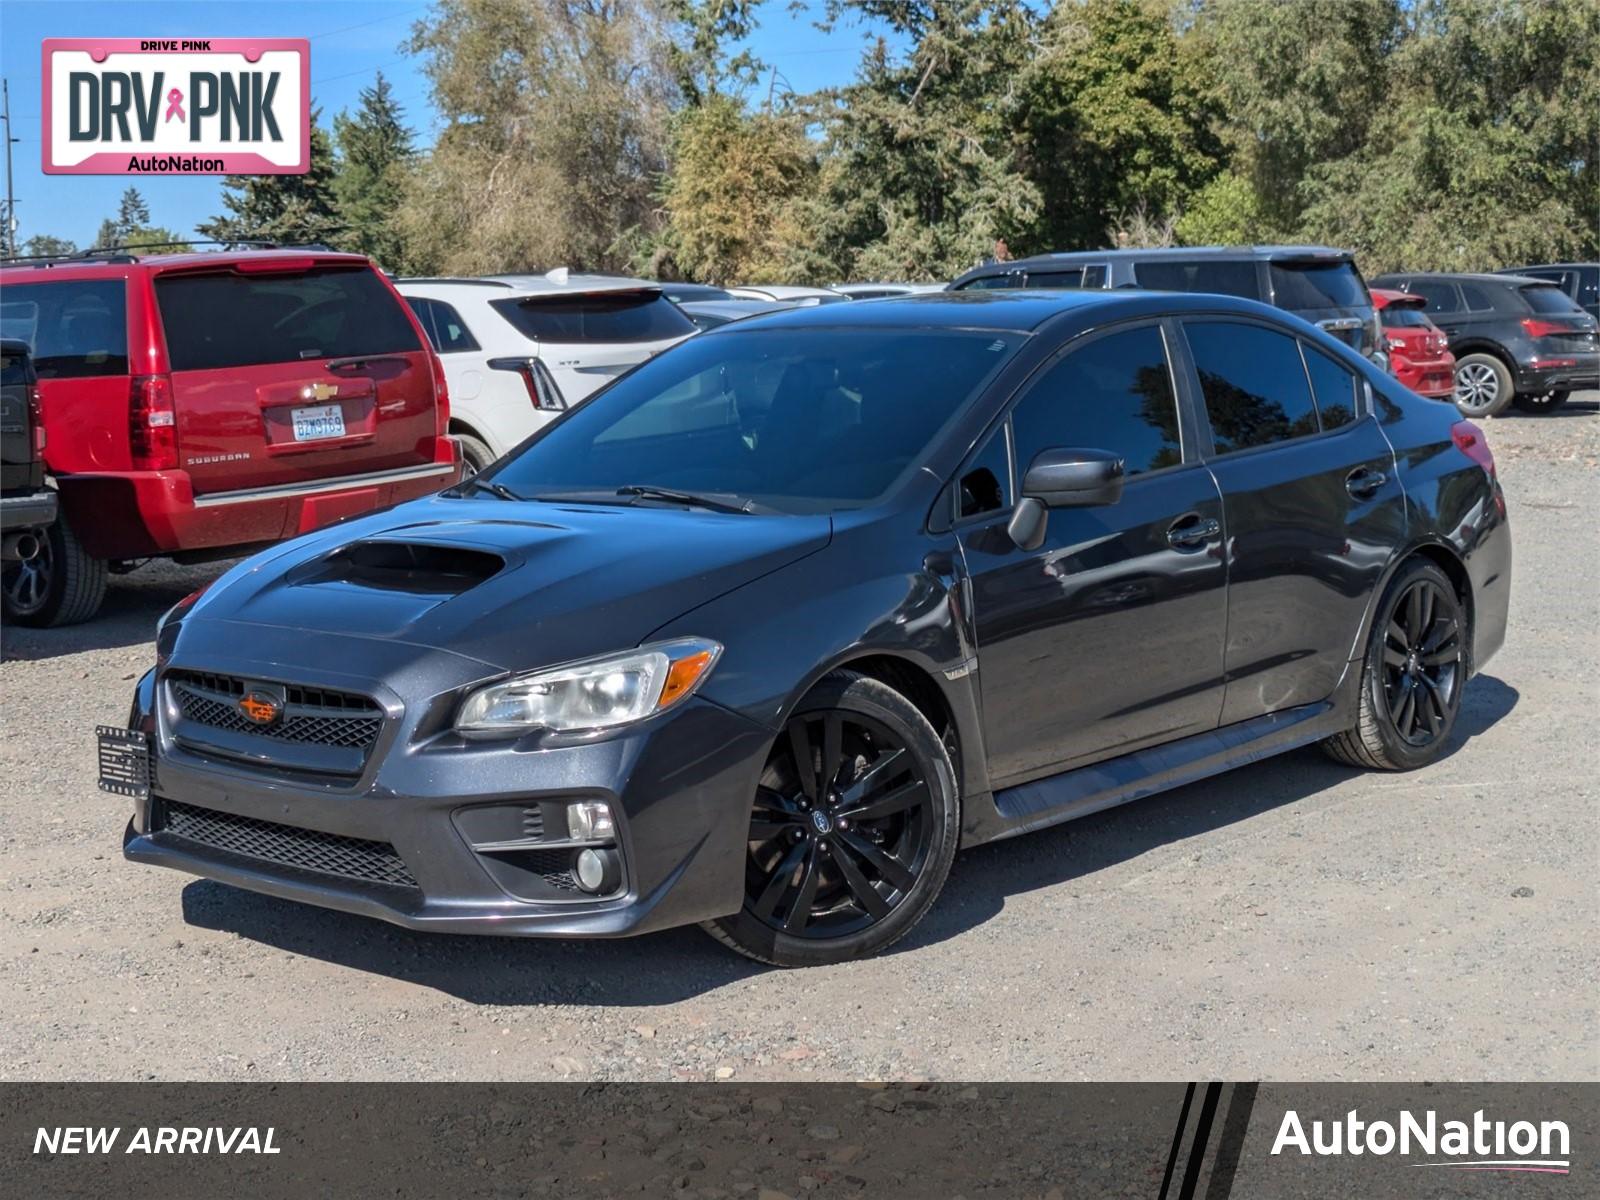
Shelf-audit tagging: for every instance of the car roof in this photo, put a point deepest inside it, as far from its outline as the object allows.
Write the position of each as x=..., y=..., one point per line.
x=120, y=263
x=1181, y=253
x=1004, y=310
x=1501, y=277
x=1544, y=267
x=553, y=283
x=785, y=291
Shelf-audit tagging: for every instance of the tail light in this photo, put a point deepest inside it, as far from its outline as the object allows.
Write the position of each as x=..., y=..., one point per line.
x=1470, y=441
x=152, y=424
x=1537, y=328
x=1394, y=343
x=543, y=393
x=36, y=419
x=441, y=397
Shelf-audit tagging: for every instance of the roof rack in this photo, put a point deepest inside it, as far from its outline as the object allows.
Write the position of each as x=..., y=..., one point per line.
x=124, y=254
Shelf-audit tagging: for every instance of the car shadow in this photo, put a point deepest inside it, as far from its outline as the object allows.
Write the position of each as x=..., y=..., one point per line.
x=1572, y=408
x=134, y=603
x=679, y=964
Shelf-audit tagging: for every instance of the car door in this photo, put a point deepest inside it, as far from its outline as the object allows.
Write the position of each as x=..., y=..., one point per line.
x=1444, y=305
x=1109, y=636
x=1312, y=504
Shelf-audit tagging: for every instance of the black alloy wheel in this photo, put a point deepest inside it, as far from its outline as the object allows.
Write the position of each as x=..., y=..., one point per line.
x=1412, y=676
x=1422, y=662
x=852, y=829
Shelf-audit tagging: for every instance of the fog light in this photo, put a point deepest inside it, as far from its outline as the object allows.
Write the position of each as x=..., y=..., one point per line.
x=590, y=821
x=598, y=871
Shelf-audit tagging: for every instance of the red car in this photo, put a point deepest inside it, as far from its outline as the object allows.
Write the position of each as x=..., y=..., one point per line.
x=198, y=405
x=1419, y=351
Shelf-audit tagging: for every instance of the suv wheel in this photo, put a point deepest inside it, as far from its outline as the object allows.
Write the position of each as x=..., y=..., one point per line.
x=475, y=452
x=60, y=585
x=1412, y=675
x=852, y=831
x=1483, y=385
x=1546, y=403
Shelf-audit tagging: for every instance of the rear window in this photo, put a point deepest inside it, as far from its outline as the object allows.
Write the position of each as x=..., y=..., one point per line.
x=13, y=368
x=1317, y=285
x=1549, y=299
x=220, y=319
x=1403, y=316
x=76, y=328
x=597, y=317
x=1222, y=276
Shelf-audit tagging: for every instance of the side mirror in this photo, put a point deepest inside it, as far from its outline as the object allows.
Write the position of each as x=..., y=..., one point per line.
x=1073, y=478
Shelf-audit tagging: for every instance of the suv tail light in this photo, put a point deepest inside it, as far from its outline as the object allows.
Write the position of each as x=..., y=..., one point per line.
x=152, y=423
x=36, y=419
x=441, y=396
x=543, y=393
x=1537, y=328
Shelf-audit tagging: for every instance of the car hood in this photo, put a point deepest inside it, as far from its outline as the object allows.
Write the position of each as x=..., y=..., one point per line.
x=514, y=585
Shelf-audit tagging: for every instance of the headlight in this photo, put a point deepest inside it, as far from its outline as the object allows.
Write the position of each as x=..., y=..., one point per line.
x=597, y=693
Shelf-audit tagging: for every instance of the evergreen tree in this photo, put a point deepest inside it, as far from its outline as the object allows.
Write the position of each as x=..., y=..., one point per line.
x=375, y=159
x=133, y=213
x=286, y=209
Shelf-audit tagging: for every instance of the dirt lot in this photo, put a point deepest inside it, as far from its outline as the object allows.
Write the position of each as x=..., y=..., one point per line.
x=1292, y=920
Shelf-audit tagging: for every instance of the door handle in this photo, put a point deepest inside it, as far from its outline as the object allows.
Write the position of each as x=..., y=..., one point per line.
x=1362, y=483
x=1192, y=531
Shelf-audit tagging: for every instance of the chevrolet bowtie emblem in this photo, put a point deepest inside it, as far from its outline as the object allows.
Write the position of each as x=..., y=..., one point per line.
x=319, y=391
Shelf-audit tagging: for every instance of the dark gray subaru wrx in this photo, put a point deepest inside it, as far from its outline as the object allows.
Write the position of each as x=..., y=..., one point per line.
x=762, y=632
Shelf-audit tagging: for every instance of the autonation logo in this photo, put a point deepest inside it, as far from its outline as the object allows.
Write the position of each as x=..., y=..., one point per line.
x=1478, y=1145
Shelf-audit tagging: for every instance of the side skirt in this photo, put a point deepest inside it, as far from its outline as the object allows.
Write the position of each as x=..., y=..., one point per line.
x=1077, y=793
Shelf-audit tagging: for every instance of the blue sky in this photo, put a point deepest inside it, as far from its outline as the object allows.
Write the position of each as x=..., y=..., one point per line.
x=350, y=40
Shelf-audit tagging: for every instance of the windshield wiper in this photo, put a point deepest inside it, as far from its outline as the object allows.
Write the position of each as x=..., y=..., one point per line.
x=644, y=491
x=472, y=484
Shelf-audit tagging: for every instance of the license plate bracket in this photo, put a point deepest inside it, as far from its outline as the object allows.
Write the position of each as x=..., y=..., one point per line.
x=317, y=422
x=124, y=761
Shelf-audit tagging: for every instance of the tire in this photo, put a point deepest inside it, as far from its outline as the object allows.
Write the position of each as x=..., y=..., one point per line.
x=1483, y=385
x=475, y=452
x=1547, y=403
x=1417, y=647
x=61, y=585
x=868, y=879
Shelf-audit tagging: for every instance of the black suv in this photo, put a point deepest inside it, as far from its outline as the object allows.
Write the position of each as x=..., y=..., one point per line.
x=1581, y=281
x=1516, y=339
x=1318, y=283
x=27, y=506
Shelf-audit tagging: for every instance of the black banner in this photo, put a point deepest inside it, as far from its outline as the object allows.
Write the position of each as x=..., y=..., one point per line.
x=1200, y=1141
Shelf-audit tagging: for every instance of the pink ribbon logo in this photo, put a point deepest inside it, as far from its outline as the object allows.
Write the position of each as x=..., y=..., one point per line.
x=175, y=105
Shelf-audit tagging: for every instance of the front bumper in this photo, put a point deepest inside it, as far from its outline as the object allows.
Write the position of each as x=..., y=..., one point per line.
x=679, y=785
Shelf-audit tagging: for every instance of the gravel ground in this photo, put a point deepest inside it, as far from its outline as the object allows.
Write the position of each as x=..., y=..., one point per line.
x=1291, y=920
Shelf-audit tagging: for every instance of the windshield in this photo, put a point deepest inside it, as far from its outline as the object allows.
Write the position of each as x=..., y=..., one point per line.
x=799, y=420
x=1317, y=285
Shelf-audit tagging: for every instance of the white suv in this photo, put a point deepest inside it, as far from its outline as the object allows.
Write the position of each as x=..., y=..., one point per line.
x=518, y=349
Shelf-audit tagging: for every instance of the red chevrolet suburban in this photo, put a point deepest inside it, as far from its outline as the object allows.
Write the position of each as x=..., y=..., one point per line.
x=200, y=405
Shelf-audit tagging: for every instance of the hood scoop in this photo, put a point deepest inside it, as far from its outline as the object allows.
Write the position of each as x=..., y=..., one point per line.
x=419, y=568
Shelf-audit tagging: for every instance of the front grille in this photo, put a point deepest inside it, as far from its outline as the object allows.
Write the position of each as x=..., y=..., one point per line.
x=311, y=715
x=554, y=865
x=285, y=845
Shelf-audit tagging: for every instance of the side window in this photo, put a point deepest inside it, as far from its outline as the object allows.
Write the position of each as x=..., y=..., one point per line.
x=1094, y=277
x=424, y=310
x=1441, y=297
x=1071, y=278
x=1254, y=384
x=1334, y=387
x=1113, y=394
x=1229, y=277
x=985, y=484
x=985, y=282
x=1475, y=298
x=451, y=334
x=1589, y=285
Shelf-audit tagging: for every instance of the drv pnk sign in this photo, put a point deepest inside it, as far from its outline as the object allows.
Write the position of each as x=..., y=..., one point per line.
x=177, y=106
